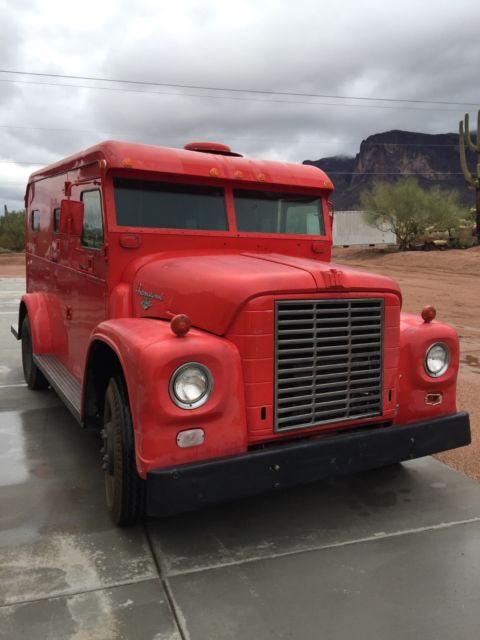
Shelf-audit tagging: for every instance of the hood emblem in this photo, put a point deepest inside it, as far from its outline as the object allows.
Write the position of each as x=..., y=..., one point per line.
x=147, y=296
x=333, y=279
x=146, y=303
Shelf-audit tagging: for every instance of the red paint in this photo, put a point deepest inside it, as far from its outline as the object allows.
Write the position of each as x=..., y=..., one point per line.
x=126, y=292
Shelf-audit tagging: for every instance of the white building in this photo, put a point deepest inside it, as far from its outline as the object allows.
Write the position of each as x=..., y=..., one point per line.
x=351, y=228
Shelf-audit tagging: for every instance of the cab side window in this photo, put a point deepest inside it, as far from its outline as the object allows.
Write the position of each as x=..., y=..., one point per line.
x=92, y=234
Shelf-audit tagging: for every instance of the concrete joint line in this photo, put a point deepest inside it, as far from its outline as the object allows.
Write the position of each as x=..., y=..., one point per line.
x=12, y=386
x=73, y=592
x=381, y=535
x=172, y=605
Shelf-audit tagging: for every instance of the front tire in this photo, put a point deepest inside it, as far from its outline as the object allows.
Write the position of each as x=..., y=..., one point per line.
x=124, y=489
x=32, y=374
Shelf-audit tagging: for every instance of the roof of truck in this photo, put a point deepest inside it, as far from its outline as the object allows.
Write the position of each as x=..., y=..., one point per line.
x=143, y=157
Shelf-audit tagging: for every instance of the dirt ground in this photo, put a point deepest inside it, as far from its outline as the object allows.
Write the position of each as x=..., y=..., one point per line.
x=12, y=265
x=447, y=279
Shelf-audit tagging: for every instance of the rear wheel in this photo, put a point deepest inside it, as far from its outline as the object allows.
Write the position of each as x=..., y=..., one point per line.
x=124, y=489
x=33, y=376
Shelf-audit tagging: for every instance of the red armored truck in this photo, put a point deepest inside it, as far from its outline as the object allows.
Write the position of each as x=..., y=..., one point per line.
x=182, y=302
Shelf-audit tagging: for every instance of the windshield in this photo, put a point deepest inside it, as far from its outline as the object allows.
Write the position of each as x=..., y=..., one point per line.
x=275, y=212
x=165, y=205
x=161, y=205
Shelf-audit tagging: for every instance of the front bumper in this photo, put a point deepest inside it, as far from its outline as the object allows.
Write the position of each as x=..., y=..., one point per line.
x=285, y=464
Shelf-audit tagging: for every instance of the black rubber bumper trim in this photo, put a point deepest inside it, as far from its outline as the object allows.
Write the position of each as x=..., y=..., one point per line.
x=286, y=464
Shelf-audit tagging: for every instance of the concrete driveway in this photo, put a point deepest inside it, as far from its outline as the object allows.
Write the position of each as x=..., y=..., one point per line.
x=390, y=554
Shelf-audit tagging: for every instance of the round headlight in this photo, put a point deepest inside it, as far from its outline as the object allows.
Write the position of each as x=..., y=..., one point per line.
x=191, y=385
x=437, y=359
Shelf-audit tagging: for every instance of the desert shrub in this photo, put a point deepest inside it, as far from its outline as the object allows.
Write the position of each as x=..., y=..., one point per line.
x=410, y=211
x=12, y=231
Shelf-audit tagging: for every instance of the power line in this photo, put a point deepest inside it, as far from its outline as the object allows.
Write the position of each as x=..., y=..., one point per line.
x=211, y=97
x=330, y=173
x=236, y=98
x=230, y=137
x=346, y=173
x=234, y=89
x=24, y=162
x=392, y=173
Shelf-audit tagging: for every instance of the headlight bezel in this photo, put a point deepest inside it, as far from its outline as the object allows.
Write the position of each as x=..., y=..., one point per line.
x=447, y=362
x=203, y=398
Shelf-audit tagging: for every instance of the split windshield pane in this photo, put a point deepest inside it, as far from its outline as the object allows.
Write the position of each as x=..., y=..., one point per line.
x=159, y=205
x=275, y=212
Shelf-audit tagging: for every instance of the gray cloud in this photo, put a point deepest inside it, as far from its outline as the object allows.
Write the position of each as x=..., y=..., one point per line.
x=424, y=51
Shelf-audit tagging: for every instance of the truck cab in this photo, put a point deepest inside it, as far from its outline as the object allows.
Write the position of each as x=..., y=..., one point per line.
x=183, y=303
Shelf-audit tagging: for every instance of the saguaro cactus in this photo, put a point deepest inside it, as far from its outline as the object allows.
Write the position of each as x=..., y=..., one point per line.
x=472, y=180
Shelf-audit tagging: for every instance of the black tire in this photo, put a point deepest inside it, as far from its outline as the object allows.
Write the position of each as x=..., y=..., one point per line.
x=32, y=374
x=124, y=489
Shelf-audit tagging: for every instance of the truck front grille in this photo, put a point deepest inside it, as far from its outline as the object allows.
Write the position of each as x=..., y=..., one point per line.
x=328, y=361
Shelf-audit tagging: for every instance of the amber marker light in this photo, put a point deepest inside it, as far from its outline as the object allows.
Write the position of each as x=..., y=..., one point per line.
x=180, y=325
x=238, y=175
x=214, y=172
x=261, y=177
x=429, y=313
x=127, y=163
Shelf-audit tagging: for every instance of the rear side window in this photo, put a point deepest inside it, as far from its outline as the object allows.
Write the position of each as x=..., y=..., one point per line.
x=159, y=205
x=56, y=219
x=35, y=220
x=92, y=234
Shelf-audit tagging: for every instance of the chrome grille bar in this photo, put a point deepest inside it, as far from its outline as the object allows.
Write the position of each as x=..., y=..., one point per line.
x=328, y=361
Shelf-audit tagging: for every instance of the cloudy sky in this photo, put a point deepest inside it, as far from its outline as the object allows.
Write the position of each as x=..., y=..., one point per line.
x=279, y=79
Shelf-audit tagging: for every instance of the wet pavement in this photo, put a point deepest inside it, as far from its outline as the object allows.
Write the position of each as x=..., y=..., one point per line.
x=391, y=553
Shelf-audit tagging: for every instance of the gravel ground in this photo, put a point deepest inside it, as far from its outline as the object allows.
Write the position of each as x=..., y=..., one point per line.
x=446, y=279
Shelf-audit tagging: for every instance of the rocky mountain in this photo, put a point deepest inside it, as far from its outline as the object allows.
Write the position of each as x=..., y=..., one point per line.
x=433, y=159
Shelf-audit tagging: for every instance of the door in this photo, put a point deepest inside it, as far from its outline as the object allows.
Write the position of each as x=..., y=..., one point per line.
x=86, y=306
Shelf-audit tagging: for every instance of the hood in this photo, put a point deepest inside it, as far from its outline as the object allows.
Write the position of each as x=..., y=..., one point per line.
x=212, y=288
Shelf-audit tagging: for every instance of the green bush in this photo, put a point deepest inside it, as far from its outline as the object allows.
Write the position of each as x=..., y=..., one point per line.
x=12, y=231
x=410, y=211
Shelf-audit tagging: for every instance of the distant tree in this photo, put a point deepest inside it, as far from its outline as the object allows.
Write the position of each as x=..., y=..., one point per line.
x=409, y=211
x=12, y=231
x=444, y=211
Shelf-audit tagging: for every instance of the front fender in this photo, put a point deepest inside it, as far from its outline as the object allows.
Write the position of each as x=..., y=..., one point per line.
x=149, y=354
x=46, y=322
x=414, y=382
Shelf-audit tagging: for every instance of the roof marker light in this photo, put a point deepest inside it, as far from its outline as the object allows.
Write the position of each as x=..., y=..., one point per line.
x=127, y=163
x=180, y=325
x=214, y=172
